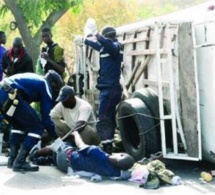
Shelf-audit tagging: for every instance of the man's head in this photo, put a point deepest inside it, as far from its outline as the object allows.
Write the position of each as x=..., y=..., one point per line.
x=109, y=32
x=2, y=37
x=123, y=161
x=17, y=45
x=67, y=97
x=46, y=35
x=54, y=80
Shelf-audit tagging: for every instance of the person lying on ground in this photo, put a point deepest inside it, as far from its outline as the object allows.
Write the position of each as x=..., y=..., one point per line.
x=87, y=160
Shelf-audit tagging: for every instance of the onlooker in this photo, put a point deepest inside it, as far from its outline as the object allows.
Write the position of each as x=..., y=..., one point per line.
x=110, y=51
x=87, y=160
x=51, y=57
x=73, y=112
x=17, y=60
x=2, y=50
x=4, y=127
x=16, y=94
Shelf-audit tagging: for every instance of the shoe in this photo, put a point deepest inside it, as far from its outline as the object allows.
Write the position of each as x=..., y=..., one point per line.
x=26, y=167
x=21, y=165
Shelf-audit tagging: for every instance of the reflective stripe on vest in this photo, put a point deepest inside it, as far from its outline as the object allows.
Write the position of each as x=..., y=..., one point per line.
x=34, y=135
x=17, y=131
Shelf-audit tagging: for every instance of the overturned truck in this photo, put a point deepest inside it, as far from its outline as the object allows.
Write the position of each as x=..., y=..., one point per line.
x=168, y=74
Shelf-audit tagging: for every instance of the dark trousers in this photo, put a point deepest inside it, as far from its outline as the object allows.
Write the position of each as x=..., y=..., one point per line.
x=27, y=126
x=109, y=98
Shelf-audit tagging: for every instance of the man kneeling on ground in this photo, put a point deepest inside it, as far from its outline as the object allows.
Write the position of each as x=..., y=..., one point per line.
x=73, y=112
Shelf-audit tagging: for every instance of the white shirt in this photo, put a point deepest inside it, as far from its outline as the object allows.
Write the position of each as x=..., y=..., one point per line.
x=81, y=112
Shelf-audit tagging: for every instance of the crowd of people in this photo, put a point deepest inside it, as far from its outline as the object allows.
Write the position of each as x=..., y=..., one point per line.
x=76, y=138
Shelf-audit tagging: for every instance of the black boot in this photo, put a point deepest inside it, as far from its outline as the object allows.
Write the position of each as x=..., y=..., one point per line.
x=107, y=146
x=20, y=163
x=13, y=153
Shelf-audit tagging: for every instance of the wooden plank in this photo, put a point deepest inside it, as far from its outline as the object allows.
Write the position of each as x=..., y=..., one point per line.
x=188, y=95
x=135, y=40
x=145, y=52
x=155, y=82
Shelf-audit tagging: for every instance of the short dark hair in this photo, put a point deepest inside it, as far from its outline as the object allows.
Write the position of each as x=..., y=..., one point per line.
x=122, y=160
x=125, y=163
x=2, y=33
x=17, y=40
x=46, y=29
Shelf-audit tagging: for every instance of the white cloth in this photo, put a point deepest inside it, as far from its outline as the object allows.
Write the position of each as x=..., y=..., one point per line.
x=90, y=27
x=79, y=40
x=81, y=112
x=57, y=144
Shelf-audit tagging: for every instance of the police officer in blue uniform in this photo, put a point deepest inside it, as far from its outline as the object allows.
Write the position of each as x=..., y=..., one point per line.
x=19, y=91
x=108, y=83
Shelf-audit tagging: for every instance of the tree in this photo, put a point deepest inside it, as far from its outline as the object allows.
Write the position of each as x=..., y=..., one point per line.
x=31, y=16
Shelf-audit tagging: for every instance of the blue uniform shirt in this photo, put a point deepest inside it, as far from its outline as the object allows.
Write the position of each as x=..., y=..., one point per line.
x=34, y=88
x=93, y=159
x=111, y=56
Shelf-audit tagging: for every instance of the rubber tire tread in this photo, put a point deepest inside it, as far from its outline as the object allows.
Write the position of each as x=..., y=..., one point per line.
x=132, y=125
x=150, y=98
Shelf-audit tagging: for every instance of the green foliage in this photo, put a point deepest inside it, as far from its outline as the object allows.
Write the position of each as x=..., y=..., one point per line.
x=76, y=6
x=3, y=10
x=38, y=10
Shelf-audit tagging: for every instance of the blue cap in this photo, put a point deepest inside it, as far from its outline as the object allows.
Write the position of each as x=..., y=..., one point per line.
x=65, y=92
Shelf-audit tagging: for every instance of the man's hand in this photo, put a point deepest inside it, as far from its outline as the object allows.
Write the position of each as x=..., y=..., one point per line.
x=45, y=56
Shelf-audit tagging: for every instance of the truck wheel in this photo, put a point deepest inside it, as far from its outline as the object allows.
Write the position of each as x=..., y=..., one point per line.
x=150, y=98
x=135, y=125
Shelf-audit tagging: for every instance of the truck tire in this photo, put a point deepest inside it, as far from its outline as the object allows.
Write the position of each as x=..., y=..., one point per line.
x=150, y=98
x=136, y=127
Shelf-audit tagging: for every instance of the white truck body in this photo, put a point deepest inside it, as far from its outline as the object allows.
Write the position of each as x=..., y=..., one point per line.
x=174, y=55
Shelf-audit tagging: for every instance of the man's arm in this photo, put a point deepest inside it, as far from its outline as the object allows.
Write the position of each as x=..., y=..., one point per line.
x=79, y=126
x=113, y=47
x=78, y=140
